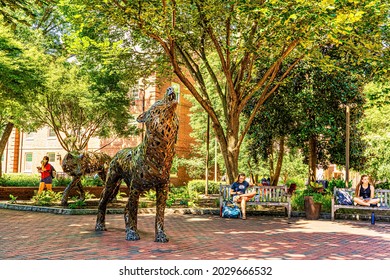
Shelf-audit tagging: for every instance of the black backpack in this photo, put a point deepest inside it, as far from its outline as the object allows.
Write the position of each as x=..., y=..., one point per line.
x=53, y=172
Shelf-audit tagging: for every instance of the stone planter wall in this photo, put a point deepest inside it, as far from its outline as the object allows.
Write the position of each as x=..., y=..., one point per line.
x=26, y=193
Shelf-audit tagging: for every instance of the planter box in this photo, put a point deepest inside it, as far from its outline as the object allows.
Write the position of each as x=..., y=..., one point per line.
x=26, y=193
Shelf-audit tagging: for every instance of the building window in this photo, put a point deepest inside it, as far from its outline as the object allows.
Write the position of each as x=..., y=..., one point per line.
x=52, y=157
x=135, y=92
x=28, y=164
x=51, y=133
x=176, y=88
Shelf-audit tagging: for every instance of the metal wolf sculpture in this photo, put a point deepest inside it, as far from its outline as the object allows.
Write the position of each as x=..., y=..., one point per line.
x=78, y=164
x=145, y=167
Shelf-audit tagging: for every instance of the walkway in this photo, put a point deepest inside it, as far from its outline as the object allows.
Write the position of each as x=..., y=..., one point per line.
x=42, y=236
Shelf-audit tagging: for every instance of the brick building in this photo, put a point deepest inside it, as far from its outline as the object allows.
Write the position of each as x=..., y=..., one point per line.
x=24, y=151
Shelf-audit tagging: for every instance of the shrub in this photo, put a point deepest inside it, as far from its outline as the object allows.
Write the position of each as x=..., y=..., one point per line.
x=299, y=182
x=59, y=182
x=46, y=198
x=12, y=199
x=383, y=185
x=20, y=180
x=91, y=181
x=298, y=199
x=78, y=204
x=200, y=186
x=32, y=180
x=337, y=183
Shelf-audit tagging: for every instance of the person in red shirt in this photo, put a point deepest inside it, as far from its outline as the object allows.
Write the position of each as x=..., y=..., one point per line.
x=45, y=169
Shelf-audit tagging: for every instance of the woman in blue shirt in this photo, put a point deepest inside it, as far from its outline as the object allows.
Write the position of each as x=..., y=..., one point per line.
x=238, y=189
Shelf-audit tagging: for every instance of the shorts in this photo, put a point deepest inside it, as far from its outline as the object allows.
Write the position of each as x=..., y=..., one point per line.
x=47, y=180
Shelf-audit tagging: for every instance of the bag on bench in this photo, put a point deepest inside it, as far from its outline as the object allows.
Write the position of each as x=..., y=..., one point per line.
x=230, y=209
x=344, y=198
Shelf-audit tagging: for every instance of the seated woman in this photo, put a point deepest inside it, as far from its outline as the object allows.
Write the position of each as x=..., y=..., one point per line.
x=238, y=190
x=364, y=193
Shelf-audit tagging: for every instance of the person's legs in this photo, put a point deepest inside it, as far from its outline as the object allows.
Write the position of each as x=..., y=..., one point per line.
x=49, y=187
x=243, y=207
x=373, y=201
x=363, y=202
x=41, y=187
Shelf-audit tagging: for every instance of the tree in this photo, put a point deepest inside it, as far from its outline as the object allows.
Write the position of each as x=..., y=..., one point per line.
x=16, y=11
x=375, y=125
x=270, y=130
x=76, y=111
x=248, y=37
x=21, y=76
x=308, y=112
x=320, y=115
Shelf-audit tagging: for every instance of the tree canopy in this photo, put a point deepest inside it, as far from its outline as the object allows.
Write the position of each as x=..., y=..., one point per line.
x=252, y=40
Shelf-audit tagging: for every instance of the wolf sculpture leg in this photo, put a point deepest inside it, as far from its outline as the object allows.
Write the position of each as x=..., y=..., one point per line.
x=75, y=181
x=81, y=191
x=162, y=194
x=130, y=215
x=108, y=192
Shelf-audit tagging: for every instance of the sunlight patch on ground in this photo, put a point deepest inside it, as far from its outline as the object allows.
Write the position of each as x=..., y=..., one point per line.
x=198, y=219
x=334, y=227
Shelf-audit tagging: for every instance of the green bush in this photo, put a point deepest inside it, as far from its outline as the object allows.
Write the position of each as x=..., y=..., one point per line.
x=299, y=182
x=337, y=183
x=59, y=182
x=298, y=199
x=383, y=185
x=32, y=180
x=20, y=180
x=46, y=198
x=200, y=186
x=91, y=181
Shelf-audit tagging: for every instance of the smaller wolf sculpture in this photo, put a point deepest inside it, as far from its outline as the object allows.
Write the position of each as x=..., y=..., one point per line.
x=78, y=164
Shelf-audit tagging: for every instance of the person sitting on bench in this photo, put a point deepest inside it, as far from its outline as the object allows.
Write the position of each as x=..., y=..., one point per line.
x=238, y=189
x=364, y=193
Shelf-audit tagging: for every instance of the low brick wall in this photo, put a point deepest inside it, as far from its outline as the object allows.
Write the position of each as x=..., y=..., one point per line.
x=26, y=193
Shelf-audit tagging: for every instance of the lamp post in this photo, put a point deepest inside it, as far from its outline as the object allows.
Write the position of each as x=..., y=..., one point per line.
x=347, y=132
x=347, y=144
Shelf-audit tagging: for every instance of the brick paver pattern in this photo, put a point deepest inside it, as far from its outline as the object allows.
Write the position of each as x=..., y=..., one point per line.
x=41, y=236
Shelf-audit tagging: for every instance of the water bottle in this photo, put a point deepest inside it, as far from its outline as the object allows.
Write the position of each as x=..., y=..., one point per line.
x=373, y=218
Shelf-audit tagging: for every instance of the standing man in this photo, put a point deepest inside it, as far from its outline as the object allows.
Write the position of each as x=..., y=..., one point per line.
x=46, y=170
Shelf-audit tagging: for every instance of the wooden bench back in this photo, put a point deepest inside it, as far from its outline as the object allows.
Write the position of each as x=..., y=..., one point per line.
x=263, y=193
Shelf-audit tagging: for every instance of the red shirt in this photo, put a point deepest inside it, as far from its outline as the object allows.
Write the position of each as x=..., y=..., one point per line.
x=46, y=171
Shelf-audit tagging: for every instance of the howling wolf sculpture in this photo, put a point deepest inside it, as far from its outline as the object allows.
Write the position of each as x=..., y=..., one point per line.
x=145, y=167
x=78, y=164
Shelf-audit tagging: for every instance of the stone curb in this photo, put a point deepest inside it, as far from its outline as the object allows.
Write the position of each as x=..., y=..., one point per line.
x=66, y=211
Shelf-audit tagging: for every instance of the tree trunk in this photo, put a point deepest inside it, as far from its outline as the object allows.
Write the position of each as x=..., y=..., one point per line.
x=230, y=152
x=276, y=173
x=271, y=162
x=4, y=139
x=312, y=159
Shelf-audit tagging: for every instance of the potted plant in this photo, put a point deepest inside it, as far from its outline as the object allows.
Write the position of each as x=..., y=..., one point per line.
x=313, y=200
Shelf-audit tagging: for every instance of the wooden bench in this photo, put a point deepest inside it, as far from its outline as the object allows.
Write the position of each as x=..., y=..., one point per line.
x=265, y=196
x=383, y=195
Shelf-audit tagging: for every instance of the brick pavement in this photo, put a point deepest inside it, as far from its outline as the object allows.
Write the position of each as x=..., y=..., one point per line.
x=41, y=236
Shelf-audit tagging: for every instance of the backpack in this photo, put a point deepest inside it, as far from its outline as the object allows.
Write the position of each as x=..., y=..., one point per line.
x=230, y=210
x=343, y=197
x=53, y=172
